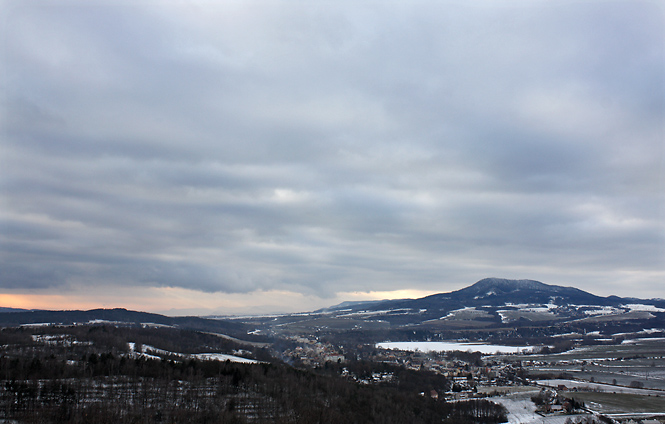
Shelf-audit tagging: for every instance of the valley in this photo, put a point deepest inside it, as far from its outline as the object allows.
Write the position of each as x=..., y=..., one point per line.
x=515, y=351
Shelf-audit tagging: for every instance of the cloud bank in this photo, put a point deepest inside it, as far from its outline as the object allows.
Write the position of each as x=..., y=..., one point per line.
x=327, y=147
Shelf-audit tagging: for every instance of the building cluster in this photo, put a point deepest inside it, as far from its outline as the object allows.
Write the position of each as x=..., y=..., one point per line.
x=465, y=376
x=313, y=352
x=552, y=403
x=373, y=378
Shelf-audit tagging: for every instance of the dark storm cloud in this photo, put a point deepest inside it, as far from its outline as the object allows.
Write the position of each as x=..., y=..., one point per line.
x=331, y=147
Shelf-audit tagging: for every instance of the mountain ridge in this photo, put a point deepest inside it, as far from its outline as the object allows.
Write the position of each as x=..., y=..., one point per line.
x=488, y=303
x=490, y=291
x=499, y=301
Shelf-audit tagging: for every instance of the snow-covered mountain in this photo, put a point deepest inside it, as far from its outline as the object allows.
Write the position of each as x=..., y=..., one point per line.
x=498, y=300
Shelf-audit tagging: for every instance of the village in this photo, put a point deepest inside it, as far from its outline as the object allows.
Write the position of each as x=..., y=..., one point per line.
x=465, y=372
x=468, y=375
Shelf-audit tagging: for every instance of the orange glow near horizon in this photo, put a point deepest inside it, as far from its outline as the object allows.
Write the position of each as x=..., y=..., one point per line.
x=72, y=301
x=179, y=301
x=386, y=295
x=43, y=301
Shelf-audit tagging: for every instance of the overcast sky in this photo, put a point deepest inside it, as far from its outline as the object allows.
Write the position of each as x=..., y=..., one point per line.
x=260, y=156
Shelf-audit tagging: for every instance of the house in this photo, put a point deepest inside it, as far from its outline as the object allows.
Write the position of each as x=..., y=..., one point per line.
x=334, y=358
x=556, y=408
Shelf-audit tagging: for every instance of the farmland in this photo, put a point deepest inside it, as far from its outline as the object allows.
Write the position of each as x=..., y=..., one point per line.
x=621, y=403
x=636, y=363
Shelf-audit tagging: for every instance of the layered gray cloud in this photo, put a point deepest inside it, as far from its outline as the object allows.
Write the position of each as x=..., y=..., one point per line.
x=333, y=146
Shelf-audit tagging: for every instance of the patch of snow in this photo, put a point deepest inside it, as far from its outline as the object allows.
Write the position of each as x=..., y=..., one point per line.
x=451, y=314
x=104, y=321
x=364, y=313
x=642, y=339
x=537, y=309
x=652, y=330
x=527, y=306
x=372, y=313
x=147, y=351
x=155, y=325
x=567, y=335
x=641, y=307
x=224, y=357
x=522, y=410
x=149, y=356
x=532, y=307
x=48, y=337
x=487, y=349
x=600, y=387
x=142, y=353
x=554, y=298
x=603, y=310
x=148, y=348
x=58, y=339
x=645, y=331
x=133, y=353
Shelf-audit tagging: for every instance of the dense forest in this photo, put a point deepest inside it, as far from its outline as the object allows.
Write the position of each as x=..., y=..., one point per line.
x=86, y=374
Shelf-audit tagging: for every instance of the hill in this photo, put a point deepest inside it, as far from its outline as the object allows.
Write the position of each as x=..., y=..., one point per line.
x=120, y=316
x=493, y=308
x=491, y=303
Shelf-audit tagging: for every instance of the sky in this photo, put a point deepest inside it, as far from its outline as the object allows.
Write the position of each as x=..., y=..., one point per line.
x=264, y=156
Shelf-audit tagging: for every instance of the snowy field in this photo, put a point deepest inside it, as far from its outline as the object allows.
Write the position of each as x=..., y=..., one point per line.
x=597, y=387
x=487, y=349
x=147, y=351
x=521, y=410
x=224, y=357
